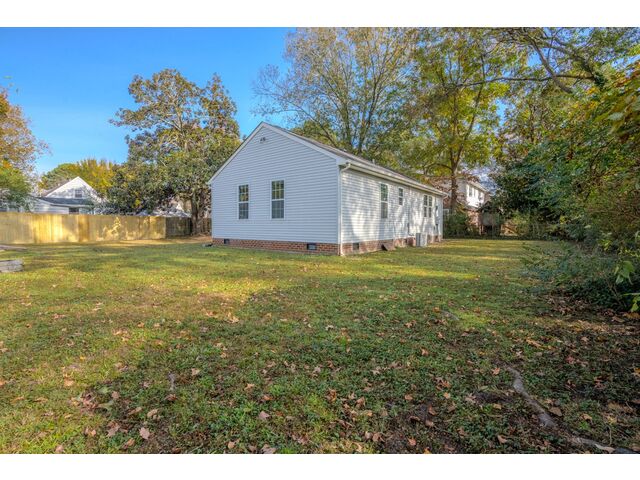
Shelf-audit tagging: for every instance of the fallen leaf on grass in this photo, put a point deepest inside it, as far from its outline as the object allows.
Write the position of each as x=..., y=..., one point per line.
x=145, y=433
x=171, y=397
x=268, y=450
x=152, y=413
x=501, y=439
x=263, y=416
x=68, y=382
x=134, y=411
x=412, y=442
x=128, y=444
x=113, y=430
x=496, y=371
x=556, y=411
x=231, y=445
x=332, y=395
x=195, y=372
x=59, y=449
x=115, y=395
x=408, y=397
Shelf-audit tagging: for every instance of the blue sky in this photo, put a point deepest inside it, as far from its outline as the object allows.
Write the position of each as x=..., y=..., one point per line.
x=71, y=81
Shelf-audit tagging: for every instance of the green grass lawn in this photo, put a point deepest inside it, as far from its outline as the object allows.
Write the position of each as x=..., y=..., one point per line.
x=214, y=350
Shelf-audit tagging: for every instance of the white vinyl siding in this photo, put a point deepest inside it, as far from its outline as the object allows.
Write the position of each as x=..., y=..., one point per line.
x=310, y=180
x=361, y=220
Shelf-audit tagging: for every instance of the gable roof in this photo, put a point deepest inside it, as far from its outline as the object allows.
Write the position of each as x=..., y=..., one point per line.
x=47, y=193
x=340, y=156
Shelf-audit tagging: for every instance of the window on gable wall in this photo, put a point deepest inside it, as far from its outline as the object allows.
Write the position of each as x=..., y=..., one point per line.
x=78, y=193
x=400, y=196
x=425, y=204
x=277, y=199
x=243, y=202
x=430, y=207
x=384, y=200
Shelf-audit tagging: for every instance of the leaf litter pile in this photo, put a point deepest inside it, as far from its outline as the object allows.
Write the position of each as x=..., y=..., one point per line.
x=169, y=347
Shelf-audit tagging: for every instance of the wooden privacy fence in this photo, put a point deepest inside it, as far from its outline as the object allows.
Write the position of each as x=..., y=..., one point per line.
x=19, y=227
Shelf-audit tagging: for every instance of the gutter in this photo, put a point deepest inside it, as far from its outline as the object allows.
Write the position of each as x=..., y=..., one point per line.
x=403, y=181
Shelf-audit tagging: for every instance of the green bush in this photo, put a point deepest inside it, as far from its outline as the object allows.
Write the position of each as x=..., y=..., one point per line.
x=457, y=225
x=603, y=279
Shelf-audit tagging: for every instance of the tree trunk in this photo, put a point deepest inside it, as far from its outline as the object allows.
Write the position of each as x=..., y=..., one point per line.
x=453, y=201
x=195, y=217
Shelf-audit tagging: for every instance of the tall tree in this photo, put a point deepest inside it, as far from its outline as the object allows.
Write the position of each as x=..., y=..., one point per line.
x=344, y=86
x=454, y=110
x=18, y=150
x=179, y=127
x=97, y=173
x=568, y=58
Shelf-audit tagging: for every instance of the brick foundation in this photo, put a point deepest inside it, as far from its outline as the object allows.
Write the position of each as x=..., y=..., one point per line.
x=375, y=245
x=280, y=246
x=322, y=248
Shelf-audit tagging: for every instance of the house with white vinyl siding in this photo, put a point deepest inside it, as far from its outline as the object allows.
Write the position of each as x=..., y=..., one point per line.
x=285, y=192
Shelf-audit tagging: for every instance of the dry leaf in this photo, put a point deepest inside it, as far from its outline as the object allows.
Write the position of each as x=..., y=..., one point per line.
x=556, y=411
x=115, y=395
x=412, y=442
x=129, y=443
x=195, y=372
x=113, y=430
x=332, y=395
x=145, y=433
x=59, y=449
x=263, y=416
x=231, y=445
x=268, y=450
x=171, y=397
x=408, y=397
x=496, y=371
x=152, y=413
x=68, y=382
x=501, y=439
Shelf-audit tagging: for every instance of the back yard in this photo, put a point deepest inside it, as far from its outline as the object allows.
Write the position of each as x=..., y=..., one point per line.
x=171, y=347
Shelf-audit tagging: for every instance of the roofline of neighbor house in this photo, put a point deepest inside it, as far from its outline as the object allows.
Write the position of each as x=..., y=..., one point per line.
x=374, y=169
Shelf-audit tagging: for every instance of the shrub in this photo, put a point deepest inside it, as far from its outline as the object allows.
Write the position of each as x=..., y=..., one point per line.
x=594, y=276
x=458, y=225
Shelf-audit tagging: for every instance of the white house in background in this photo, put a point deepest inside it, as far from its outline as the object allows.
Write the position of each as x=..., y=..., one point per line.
x=73, y=196
x=286, y=192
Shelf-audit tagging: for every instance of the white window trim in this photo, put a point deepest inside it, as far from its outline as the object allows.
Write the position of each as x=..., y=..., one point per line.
x=400, y=197
x=384, y=201
x=284, y=198
x=248, y=202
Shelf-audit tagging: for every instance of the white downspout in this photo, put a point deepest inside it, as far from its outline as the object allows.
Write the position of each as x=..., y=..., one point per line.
x=347, y=167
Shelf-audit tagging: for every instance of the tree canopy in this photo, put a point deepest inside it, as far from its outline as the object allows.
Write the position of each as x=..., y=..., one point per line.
x=97, y=173
x=182, y=133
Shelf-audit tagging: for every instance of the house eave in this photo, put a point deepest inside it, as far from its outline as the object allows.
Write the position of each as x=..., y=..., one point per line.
x=388, y=176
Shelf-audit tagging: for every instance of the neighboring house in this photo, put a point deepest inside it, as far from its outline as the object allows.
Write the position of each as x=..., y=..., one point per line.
x=286, y=192
x=73, y=196
x=472, y=195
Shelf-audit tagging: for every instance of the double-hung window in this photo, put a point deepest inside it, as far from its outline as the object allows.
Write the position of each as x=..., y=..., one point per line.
x=277, y=199
x=78, y=193
x=425, y=204
x=430, y=207
x=400, y=196
x=384, y=200
x=243, y=202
